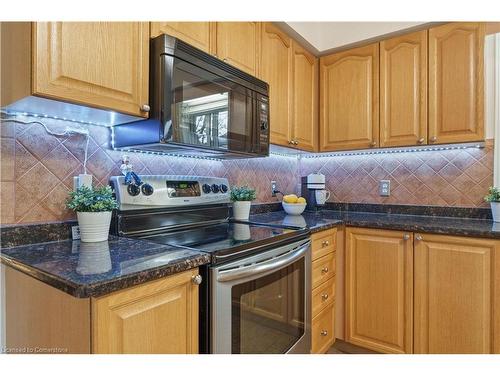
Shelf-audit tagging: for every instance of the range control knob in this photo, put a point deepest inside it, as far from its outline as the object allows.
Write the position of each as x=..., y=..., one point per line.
x=133, y=189
x=206, y=188
x=215, y=188
x=147, y=189
x=223, y=188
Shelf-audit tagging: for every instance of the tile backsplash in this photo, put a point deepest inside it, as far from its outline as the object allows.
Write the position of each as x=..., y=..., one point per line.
x=459, y=178
x=37, y=172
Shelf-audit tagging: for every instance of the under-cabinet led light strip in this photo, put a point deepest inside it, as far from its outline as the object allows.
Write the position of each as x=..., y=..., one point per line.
x=460, y=146
x=44, y=116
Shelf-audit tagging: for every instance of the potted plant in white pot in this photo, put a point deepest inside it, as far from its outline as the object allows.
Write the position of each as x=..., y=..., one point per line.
x=494, y=198
x=242, y=198
x=93, y=208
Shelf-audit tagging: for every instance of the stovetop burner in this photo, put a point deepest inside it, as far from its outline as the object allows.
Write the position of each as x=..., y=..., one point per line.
x=230, y=240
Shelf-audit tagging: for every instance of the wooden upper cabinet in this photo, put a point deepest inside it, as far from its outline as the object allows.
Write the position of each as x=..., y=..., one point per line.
x=403, y=90
x=238, y=44
x=349, y=106
x=100, y=64
x=305, y=99
x=379, y=289
x=457, y=299
x=197, y=34
x=160, y=317
x=276, y=70
x=456, y=83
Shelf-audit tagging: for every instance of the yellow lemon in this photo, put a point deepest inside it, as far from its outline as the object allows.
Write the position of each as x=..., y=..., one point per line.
x=290, y=198
x=301, y=200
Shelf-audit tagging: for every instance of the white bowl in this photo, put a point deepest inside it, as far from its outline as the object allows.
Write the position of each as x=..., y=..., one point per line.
x=294, y=208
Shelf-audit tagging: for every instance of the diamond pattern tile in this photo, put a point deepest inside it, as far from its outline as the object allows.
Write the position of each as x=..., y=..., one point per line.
x=39, y=169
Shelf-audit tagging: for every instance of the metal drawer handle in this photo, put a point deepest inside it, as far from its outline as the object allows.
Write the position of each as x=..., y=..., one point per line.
x=325, y=270
x=420, y=141
x=197, y=279
x=418, y=237
x=324, y=332
x=325, y=243
x=145, y=108
x=406, y=237
x=324, y=296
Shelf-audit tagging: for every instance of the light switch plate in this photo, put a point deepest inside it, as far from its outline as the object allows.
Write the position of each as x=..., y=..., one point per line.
x=384, y=188
x=273, y=188
x=75, y=232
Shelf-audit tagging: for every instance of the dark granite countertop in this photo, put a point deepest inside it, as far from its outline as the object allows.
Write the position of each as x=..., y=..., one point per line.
x=326, y=219
x=95, y=269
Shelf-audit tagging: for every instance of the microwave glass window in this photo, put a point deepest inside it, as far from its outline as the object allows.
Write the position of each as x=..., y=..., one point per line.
x=210, y=111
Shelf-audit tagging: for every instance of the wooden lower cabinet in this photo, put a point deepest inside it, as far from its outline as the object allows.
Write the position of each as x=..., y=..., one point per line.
x=323, y=291
x=379, y=289
x=457, y=295
x=160, y=316
x=157, y=317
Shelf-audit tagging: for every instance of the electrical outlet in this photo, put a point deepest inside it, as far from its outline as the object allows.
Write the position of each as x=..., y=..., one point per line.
x=75, y=232
x=273, y=188
x=384, y=188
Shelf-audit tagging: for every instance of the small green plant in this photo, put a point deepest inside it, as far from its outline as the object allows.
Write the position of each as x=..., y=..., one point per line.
x=90, y=199
x=493, y=195
x=243, y=193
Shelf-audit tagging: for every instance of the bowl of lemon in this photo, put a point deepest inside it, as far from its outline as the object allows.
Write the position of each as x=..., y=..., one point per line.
x=293, y=205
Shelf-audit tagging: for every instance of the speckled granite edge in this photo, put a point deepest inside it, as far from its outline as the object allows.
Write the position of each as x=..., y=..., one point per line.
x=399, y=209
x=103, y=288
x=17, y=235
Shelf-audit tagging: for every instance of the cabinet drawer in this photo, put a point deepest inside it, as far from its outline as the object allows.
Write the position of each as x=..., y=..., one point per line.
x=323, y=243
x=323, y=334
x=323, y=269
x=323, y=296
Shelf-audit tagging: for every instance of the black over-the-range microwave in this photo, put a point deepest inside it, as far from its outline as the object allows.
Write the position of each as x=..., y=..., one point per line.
x=200, y=106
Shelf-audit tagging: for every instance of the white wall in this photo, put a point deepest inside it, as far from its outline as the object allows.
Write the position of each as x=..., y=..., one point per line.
x=327, y=35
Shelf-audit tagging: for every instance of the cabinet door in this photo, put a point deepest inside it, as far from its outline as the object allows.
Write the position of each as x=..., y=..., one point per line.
x=157, y=317
x=276, y=70
x=99, y=64
x=305, y=99
x=379, y=289
x=238, y=44
x=456, y=83
x=197, y=34
x=349, y=108
x=457, y=294
x=403, y=90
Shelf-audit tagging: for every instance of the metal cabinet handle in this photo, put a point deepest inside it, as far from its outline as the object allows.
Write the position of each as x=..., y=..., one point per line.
x=420, y=140
x=296, y=142
x=324, y=332
x=145, y=108
x=196, y=279
x=290, y=142
x=325, y=270
x=224, y=59
x=373, y=144
x=406, y=237
x=325, y=243
x=418, y=237
x=324, y=297
x=433, y=139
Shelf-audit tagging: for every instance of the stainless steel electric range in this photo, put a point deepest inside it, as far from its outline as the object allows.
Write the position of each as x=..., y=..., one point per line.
x=255, y=294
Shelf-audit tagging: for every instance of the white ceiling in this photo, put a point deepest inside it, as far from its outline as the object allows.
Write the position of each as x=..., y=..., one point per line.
x=327, y=35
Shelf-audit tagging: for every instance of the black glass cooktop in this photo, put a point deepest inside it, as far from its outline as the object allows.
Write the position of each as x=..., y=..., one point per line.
x=229, y=240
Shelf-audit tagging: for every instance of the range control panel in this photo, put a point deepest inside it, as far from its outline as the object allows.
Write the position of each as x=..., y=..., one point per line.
x=169, y=191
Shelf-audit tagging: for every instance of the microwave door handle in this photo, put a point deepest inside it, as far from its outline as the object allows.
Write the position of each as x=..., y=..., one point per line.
x=264, y=267
x=165, y=93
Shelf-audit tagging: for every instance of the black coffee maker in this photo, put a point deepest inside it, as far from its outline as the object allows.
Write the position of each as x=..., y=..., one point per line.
x=313, y=190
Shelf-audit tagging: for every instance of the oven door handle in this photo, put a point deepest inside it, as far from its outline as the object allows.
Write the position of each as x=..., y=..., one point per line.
x=267, y=266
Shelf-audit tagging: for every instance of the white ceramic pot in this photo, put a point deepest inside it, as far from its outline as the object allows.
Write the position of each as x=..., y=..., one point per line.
x=495, y=211
x=94, y=258
x=241, y=210
x=94, y=226
x=294, y=208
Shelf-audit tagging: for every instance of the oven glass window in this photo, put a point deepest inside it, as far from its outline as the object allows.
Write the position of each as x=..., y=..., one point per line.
x=268, y=313
x=210, y=111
